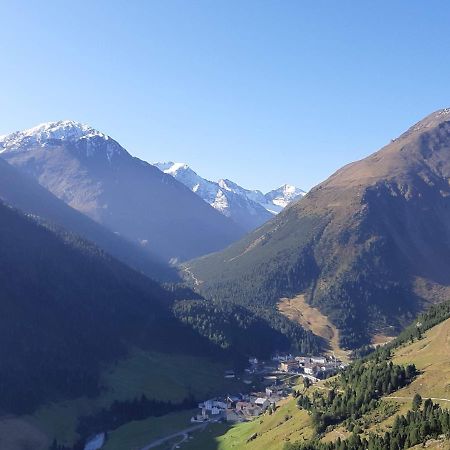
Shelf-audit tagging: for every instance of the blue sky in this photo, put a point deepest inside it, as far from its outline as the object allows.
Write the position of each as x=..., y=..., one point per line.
x=261, y=92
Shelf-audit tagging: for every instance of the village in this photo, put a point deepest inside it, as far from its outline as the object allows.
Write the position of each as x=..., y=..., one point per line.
x=272, y=381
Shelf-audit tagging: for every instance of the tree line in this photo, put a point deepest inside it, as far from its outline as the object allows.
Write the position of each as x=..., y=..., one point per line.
x=416, y=427
x=357, y=391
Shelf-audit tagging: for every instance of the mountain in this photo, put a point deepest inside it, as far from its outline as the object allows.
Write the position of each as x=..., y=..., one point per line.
x=248, y=209
x=26, y=194
x=279, y=198
x=369, y=247
x=92, y=173
x=66, y=309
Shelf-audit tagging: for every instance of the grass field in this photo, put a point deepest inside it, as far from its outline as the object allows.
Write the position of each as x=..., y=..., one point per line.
x=135, y=435
x=431, y=355
x=159, y=376
x=310, y=318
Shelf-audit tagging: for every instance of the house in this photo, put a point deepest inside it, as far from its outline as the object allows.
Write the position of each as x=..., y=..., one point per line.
x=253, y=360
x=253, y=411
x=310, y=369
x=200, y=418
x=274, y=391
x=280, y=358
x=288, y=366
x=240, y=406
x=262, y=402
x=302, y=360
x=232, y=416
x=318, y=359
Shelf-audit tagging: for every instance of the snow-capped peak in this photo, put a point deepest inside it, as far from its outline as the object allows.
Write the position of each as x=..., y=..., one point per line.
x=62, y=131
x=249, y=208
x=284, y=195
x=173, y=168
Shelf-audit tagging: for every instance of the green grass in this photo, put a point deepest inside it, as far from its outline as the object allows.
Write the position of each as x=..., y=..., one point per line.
x=288, y=423
x=159, y=376
x=135, y=435
x=431, y=356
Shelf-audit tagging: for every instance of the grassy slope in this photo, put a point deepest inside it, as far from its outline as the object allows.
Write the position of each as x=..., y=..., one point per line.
x=160, y=376
x=430, y=355
x=137, y=434
x=310, y=318
x=288, y=423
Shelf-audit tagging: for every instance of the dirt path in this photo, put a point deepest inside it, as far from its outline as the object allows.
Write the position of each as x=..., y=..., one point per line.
x=425, y=398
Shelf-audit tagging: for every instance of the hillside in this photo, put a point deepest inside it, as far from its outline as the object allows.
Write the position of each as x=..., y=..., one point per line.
x=81, y=330
x=369, y=247
x=24, y=193
x=94, y=174
x=289, y=424
x=62, y=296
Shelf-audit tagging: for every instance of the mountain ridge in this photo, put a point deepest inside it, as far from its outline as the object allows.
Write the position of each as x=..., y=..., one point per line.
x=248, y=208
x=369, y=246
x=94, y=174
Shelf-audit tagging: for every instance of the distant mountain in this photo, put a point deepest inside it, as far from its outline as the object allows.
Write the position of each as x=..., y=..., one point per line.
x=92, y=173
x=249, y=209
x=369, y=247
x=26, y=194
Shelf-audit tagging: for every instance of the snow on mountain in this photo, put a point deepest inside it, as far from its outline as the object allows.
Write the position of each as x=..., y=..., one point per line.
x=64, y=131
x=248, y=208
x=94, y=174
x=279, y=198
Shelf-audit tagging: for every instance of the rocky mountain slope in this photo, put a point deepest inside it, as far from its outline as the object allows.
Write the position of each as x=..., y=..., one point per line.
x=95, y=175
x=249, y=209
x=369, y=247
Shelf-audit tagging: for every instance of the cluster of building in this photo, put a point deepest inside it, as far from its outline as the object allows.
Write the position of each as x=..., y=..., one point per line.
x=313, y=367
x=241, y=407
x=272, y=376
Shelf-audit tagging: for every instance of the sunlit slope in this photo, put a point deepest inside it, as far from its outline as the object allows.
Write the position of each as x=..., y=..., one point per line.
x=431, y=355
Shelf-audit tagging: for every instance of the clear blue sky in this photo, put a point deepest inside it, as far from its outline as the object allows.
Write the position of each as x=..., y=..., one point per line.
x=261, y=92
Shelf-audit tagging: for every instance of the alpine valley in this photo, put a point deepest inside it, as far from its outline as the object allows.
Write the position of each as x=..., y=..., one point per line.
x=143, y=306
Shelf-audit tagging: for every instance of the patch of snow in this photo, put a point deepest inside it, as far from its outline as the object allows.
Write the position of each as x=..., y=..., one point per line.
x=50, y=133
x=225, y=195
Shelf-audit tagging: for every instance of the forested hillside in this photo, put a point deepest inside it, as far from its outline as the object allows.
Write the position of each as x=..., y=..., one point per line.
x=66, y=308
x=369, y=246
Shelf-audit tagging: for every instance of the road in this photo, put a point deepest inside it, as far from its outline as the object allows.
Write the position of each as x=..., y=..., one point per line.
x=424, y=398
x=182, y=433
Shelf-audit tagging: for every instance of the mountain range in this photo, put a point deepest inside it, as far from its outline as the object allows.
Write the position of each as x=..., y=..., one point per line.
x=369, y=247
x=95, y=175
x=247, y=208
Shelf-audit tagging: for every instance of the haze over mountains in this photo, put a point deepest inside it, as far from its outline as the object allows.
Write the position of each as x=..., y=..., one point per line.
x=370, y=246
x=95, y=175
x=247, y=208
x=26, y=194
